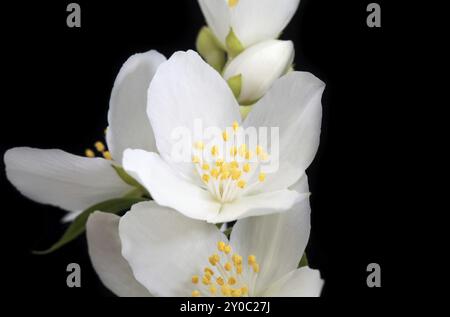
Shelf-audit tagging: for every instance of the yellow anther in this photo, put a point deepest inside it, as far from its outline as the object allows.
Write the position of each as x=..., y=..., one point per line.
x=209, y=271
x=195, y=293
x=226, y=290
x=246, y=167
x=241, y=184
x=205, y=166
x=99, y=146
x=215, y=150
x=237, y=259
x=206, y=280
x=234, y=164
x=212, y=289
x=225, y=167
x=225, y=136
x=221, y=245
x=251, y=259
x=231, y=281
x=235, y=126
x=236, y=292
x=244, y=290
x=107, y=155
x=259, y=150
x=214, y=172
x=225, y=175
x=199, y=145
x=233, y=150
x=235, y=174
x=195, y=279
x=242, y=150
x=228, y=266
x=227, y=249
x=248, y=155
x=214, y=259
x=255, y=267
x=205, y=178
x=232, y=3
x=195, y=159
x=89, y=153
x=219, y=162
x=262, y=177
x=239, y=269
x=220, y=281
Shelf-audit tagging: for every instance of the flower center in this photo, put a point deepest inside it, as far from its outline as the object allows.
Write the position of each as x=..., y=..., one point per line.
x=226, y=276
x=230, y=168
x=232, y=3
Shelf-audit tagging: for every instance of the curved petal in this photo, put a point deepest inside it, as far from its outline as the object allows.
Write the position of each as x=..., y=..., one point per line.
x=61, y=179
x=186, y=91
x=303, y=282
x=104, y=247
x=166, y=187
x=254, y=21
x=258, y=205
x=129, y=126
x=278, y=241
x=293, y=104
x=165, y=249
x=217, y=15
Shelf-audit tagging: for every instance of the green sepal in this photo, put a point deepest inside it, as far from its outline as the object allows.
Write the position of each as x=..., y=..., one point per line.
x=234, y=46
x=245, y=110
x=210, y=49
x=303, y=261
x=78, y=226
x=235, y=84
x=137, y=191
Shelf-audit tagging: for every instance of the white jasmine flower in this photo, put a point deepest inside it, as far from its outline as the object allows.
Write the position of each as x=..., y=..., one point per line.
x=155, y=250
x=75, y=183
x=220, y=185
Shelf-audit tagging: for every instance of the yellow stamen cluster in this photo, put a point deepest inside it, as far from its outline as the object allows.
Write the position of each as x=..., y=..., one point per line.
x=224, y=277
x=101, y=149
x=225, y=176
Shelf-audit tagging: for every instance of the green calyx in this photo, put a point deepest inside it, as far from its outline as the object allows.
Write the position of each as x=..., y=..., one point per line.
x=234, y=46
x=210, y=49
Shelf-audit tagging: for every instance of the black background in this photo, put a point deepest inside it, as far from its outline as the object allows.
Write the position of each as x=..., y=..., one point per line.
x=56, y=86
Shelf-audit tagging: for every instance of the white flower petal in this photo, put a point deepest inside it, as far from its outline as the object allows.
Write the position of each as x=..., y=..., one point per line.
x=254, y=21
x=260, y=65
x=257, y=205
x=165, y=249
x=104, y=247
x=217, y=15
x=61, y=179
x=303, y=282
x=278, y=241
x=293, y=104
x=166, y=187
x=129, y=126
x=183, y=90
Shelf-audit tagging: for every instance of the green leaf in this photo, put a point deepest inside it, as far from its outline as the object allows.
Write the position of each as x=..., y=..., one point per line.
x=234, y=46
x=78, y=226
x=210, y=49
x=235, y=84
x=303, y=261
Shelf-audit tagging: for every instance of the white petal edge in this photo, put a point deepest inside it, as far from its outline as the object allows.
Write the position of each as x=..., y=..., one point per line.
x=303, y=282
x=165, y=249
x=166, y=187
x=217, y=16
x=105, y=251
x=278, y=241
x=61, y=179
x=254, y=21
x=293, y=104
x=129, y=126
